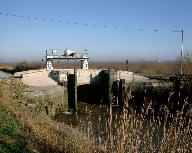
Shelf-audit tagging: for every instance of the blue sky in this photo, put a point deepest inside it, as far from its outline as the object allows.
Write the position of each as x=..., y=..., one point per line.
x=109, y=29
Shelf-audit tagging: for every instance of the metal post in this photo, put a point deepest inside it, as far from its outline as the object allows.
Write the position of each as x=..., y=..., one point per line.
x=181, y=60
x=127, y=64
x=181, y=70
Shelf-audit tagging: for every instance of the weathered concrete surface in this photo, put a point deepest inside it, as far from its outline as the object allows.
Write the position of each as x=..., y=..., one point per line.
x=44, y=93
x=48, y=96
x=90, y=76
x=83, y=76
x=45, y=77
x=36, y=77
x=47, y=99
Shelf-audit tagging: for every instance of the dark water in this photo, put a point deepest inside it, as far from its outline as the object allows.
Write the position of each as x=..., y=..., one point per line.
x=3, y=74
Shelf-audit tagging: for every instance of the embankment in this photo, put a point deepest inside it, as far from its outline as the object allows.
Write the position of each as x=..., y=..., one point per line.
x=40, y=132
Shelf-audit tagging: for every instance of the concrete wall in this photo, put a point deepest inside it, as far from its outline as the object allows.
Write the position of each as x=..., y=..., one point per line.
x=91, y=75
x=45, y=77
x=86, y=76
x=83, y=76
x=36, y=77
x=130, y=77
x=47, y=96
x=48, y=99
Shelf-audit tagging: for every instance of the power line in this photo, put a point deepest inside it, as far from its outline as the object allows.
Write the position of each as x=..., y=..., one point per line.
x=68, y=22
x=74, y=23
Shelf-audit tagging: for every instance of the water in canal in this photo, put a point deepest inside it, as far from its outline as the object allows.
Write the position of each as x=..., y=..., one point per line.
x=4, y=74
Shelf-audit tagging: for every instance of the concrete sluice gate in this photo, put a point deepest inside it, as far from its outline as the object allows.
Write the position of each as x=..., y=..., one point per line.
x=93, y=76
x=44, y=77
x=92, y=86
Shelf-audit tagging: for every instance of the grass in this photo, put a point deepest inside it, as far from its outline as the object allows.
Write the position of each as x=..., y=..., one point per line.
x=157, y=126
x=12, y=138
x=40, y=133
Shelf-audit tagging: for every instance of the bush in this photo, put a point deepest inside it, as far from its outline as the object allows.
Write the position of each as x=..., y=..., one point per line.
x=24, y=66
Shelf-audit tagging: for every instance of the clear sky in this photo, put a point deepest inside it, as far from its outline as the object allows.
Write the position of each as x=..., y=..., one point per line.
x=109, y=29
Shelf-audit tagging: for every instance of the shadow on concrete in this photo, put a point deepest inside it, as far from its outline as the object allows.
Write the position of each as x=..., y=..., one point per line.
x=96, y=92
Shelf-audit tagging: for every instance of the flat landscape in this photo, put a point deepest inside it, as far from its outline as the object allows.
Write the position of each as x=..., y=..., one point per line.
x=152, y=119
x=95, y=76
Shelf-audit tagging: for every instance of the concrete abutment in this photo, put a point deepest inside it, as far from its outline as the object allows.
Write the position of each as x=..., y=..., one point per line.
x=59, y=90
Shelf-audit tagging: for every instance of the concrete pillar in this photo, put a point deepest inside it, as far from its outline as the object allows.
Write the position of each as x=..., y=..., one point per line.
x=72, y=90
x=65, y=92
x=110, y=83
x=121, y=93
x=49, y=64
x=112, y=77
x=84, y=64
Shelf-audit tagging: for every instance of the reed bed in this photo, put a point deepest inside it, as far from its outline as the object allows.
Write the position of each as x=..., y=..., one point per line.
x=131, y=131
x=168, y=129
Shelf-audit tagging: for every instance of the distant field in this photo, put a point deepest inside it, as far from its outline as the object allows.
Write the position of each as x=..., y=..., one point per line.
x=13, y=67
x=141, y=67
x=165, y=68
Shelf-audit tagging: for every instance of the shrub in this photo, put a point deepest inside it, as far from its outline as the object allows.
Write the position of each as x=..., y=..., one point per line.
x=24, y=66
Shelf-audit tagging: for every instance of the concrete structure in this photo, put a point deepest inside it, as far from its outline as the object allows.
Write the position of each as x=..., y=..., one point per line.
x=44, y=77
x=68, y=55
x=52, y=98
x=47, y=99
x=92, y=75
x=36, y=77
x=83, y=76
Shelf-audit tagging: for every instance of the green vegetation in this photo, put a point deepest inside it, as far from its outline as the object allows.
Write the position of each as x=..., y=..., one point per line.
x=155, y=121
x=23, y=129
x=12, y=138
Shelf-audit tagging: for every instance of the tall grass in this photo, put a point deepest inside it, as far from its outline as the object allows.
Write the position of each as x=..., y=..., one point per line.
x=168, y=129
x=41, y=133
